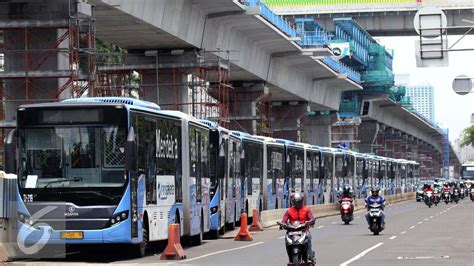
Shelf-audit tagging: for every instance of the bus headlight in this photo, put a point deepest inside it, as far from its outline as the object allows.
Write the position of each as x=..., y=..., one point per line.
x=118, y=217
x=25, y=218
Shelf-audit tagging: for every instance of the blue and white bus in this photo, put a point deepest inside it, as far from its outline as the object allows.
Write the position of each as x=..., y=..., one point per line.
x=467, y=171
x=252, y=162
x=312, y=176
x=294, y=169
x=273, y=173
x=225, y=177
x=110, y=170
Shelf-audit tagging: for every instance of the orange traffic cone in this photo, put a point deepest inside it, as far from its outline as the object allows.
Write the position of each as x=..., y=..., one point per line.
x=174, y=250
x=256, y=225
x=244, y=234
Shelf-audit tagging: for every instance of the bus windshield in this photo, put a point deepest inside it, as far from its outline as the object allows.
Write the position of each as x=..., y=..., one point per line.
x=468, y=172
x=72, y=158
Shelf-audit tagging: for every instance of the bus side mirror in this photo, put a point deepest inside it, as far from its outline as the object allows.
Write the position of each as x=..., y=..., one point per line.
x=131, y=151
x=10, y=153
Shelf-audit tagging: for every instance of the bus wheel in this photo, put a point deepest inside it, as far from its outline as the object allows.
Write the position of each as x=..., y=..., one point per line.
x=231, y=225
x=214, y=234
x=197, y=239
x=140, y=249
x=222, y=230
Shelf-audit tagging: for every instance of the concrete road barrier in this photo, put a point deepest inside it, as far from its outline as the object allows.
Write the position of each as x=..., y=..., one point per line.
x=270, y=217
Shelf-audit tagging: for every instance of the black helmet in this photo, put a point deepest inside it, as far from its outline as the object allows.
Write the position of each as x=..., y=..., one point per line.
x=346, y=189
x=375, y=191
x=297, y=200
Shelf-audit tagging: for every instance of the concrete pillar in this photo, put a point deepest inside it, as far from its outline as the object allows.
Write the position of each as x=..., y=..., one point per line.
x=243, y=113
x=18, y=88
x=318, y=129
x=368, y=131
x=173, y=89
x=287, y=121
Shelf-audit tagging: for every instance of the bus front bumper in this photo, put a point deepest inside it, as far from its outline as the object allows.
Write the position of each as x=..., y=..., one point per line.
x=45, y=234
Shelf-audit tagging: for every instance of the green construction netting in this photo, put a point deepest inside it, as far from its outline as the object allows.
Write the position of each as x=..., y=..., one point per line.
x=330, y=2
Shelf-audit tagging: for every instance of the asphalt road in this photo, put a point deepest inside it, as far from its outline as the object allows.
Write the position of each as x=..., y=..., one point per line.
x=414, y=235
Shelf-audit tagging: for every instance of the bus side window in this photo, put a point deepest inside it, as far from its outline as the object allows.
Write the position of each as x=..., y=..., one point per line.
x=204, y=150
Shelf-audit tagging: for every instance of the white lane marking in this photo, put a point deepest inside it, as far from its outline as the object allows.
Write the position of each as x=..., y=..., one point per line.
x=404, y=232
x=321, y=226
x=422, y=258
x=393, y=237
x=426, y=219
x=420, y=222
x=218, y=252
x=281, y=237
x=411, y=227
x=357, y=217
x=360, y=255
x=440, y=212
x=334, y=222
x=431, y=217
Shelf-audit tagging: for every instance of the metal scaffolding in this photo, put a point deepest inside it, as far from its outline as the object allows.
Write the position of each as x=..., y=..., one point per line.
x=202, y=76
x=37, y=51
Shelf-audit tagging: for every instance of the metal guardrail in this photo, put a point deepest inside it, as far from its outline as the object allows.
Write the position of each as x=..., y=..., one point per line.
x=342, y=68
x=313, y=39
x=308, y=39
x=273, y=18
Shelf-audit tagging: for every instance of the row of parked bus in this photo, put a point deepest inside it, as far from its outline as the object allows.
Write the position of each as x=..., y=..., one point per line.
x=120, y=170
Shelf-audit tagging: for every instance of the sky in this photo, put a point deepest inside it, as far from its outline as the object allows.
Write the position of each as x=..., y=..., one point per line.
x=452, y=111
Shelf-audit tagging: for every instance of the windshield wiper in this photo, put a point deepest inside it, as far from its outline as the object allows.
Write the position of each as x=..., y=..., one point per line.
x=74, y=179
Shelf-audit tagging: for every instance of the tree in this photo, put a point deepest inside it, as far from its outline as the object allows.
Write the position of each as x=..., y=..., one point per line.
x=468, y=136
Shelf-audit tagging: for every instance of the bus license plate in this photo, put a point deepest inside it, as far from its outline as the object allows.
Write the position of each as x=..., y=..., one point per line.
x=72, y=235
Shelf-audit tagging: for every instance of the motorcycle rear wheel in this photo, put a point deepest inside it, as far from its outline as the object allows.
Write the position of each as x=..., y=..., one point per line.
x=295, y=260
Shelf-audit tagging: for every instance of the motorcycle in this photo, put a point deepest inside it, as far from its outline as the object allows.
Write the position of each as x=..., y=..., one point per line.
x=472, y=193
x=462, y=193
x=429, y=198
x=446, y=196
x=375, y=218
x=346, y=209
x=436, y=198
x=456, y=195
x=295, y=242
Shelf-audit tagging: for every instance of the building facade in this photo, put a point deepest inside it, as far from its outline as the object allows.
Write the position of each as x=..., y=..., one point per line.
x=422, y=99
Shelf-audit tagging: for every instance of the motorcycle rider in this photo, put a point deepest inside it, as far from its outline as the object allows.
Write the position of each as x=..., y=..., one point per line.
x=436, y=188
x=446, y=188
x=346, y=193
x=375, y=198
x=301, y=213
x=427, y=187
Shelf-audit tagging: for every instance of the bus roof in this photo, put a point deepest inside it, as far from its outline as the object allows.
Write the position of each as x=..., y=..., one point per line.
x=122, y=100
x=214, y=126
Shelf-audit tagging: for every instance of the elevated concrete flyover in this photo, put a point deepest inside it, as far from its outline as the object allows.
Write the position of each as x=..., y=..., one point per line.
x=395, y=116
x=379, y=18
x=388, y=129
x=256, y=45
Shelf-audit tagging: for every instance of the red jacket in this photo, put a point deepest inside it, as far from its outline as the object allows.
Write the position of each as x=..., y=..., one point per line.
x=428, y=189
x=293, y=214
